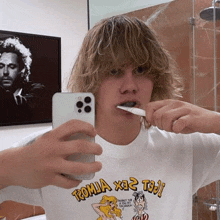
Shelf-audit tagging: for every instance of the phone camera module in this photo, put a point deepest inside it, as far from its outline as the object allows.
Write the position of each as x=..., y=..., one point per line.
x=88, y=109
x=79, y=104
x=87, y=99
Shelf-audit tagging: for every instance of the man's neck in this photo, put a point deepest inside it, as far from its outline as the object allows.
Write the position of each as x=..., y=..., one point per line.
x=118, y=133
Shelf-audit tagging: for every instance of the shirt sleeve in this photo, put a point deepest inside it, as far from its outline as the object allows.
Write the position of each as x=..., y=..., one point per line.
x=206, y=159
x=31, y=138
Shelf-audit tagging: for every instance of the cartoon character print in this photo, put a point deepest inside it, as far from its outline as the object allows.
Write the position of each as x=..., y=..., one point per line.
x=107, y=209
x=140, y=205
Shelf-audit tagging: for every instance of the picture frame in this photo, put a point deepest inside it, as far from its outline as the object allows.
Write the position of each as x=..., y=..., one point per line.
x=29, y=99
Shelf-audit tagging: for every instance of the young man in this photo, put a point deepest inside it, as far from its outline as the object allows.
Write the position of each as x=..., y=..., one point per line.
x=121, y=63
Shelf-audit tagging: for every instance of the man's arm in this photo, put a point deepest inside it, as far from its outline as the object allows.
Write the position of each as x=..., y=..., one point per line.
x=44, y=161
x=182, y=117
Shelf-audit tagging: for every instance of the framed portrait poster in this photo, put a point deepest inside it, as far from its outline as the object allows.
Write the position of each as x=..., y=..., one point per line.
x=30, y=73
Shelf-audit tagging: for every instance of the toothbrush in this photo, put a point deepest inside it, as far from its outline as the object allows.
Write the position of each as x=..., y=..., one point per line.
x=136, y=111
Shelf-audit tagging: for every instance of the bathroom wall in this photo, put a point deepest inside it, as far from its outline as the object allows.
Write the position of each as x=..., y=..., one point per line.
x=66, y=19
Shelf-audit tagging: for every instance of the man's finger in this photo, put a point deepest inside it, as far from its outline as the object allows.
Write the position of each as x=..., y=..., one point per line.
x=71, y=127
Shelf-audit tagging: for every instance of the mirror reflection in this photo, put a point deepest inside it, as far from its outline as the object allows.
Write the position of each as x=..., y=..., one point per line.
x=190, y=31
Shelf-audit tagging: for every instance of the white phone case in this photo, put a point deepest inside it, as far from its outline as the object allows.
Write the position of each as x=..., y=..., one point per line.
x=80, y=106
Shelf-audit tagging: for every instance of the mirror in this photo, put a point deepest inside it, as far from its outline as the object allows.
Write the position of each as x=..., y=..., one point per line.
x=190, y=31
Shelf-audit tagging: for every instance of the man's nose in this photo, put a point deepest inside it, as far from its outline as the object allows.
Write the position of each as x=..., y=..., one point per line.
x=129, y=84
x=5, y=71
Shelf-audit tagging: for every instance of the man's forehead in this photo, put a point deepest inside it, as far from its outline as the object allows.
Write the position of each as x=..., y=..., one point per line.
x=8, y=57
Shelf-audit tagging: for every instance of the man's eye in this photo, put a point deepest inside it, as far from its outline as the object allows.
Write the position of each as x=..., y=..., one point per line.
x=114, y=72
x=1, y=66
x=12, y=66
x=140, y=70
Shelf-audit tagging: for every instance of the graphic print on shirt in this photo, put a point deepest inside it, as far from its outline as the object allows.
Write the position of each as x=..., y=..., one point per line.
x=140, y=206
x=115, y=199
x=102, y=186
x=107, y=208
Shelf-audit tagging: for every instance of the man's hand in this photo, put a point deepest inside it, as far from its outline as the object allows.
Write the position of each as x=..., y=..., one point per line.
x=182, y=117
x=45, y=161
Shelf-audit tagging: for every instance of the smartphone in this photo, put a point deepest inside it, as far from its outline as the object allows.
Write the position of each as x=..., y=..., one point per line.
x=80, y=106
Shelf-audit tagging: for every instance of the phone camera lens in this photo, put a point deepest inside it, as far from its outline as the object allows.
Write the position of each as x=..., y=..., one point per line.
x=87, y=109
x=87, y=99
x=79, y=104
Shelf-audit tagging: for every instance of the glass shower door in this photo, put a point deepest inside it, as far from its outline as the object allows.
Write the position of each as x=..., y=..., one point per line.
x=205, y=87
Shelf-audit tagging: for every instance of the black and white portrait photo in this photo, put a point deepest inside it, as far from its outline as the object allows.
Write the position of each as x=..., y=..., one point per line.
x=29, y=76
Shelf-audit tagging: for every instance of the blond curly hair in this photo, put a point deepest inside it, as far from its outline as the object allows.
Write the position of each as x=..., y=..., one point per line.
x=117, y=40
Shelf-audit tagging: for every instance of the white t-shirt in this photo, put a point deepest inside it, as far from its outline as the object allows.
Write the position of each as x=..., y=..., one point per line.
x=154, y=177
